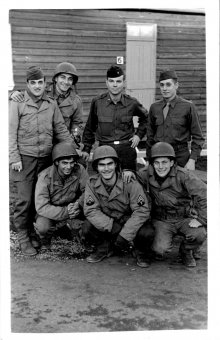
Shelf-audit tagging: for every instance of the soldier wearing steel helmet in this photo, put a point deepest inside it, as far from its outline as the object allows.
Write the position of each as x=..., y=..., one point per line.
x=117, y=213
x=63, y=90
x=172, y=190
x=59, y=192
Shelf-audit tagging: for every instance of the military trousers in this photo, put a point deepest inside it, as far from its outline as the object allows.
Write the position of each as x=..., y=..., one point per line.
x=25, y=182
x=104, y=240
x=165, y=230
x=126, y=154
x=182, y=155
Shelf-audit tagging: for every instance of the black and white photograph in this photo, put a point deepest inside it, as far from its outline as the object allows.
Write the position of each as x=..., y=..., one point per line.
x=110, y=195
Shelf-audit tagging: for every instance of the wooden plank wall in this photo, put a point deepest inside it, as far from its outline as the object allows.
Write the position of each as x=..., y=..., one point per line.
x=91, y=40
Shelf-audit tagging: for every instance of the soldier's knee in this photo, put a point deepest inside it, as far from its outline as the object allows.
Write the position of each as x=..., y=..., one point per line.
x=42, y=225
x=146, y=231
x=201, y=235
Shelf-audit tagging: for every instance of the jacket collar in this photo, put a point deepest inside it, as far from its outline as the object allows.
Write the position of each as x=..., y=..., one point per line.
x=117, y=189
x=109, y=100
x=166, y=183
x=173, y=102
x=56, y=180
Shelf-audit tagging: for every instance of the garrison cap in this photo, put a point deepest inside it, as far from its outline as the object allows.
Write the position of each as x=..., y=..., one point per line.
x=34, y=73
x=114, y=71
x=168, y=74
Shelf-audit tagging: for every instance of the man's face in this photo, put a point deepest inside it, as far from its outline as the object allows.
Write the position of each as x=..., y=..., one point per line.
x=63, y=82
x=106, y=168
x=36, y=87
x=162, y=166
x=168, y=88
x=65, y=166
x=115, y=85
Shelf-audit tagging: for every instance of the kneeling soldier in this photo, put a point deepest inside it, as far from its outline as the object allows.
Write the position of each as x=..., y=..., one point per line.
x=117, y=212
x=173, y=189
x=59, y=192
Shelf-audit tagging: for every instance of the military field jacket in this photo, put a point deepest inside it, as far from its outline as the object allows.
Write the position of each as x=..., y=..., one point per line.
x=180, y=126
x=177, y=192
x=52, y=195
x=32, y=129
x=125, y=199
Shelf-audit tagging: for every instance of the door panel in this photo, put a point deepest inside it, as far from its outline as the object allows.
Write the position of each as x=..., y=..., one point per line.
x=141, y=62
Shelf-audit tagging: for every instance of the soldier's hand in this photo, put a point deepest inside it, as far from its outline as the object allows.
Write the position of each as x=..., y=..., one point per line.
x=73, y=209
x=17, y=166
x=127, y=176
x=190, y=165
x=121, y=244
x=17, y=96
x=135, y=141
x=194, y=223
x=85, y=156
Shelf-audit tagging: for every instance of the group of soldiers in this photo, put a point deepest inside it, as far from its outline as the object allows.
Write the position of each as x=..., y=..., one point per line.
x=121, y=209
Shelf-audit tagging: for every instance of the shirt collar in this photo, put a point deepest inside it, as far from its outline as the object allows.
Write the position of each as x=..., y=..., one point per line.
x=122, y=100
x=172, y=102
x=35, y=99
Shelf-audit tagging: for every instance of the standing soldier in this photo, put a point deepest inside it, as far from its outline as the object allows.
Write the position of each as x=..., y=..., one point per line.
x=117, y=212
x=33, y=124
x=59, y=192
x=64, y=79
x=110, y=121
x=172, y=189
x=174, y=120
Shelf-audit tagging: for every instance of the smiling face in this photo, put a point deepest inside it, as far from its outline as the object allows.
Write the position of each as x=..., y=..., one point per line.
x=168, y=88
x=162, y=166
x=36, y=87
x=115, y=85
x=106, y=168
x=63, y=82
x=65, y=166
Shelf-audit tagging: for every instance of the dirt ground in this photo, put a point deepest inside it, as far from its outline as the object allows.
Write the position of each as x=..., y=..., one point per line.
x=59, y=293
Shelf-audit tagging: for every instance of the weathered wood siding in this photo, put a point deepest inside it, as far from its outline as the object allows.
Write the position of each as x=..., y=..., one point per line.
x=91, y=40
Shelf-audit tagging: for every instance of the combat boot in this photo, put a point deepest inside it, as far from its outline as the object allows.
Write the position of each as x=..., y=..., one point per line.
x=35, y=240
x=197, y=253
x=25, y=244
x=45, y=244
x=187, y=256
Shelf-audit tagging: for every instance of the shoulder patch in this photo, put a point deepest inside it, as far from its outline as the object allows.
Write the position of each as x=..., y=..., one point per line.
x=140, y=200
x=90, y=200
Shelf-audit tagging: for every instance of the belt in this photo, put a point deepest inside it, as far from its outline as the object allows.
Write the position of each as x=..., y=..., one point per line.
x=167, y=213
x=116, y=142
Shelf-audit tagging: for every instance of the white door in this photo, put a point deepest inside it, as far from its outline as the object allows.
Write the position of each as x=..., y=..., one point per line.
x=141, y=62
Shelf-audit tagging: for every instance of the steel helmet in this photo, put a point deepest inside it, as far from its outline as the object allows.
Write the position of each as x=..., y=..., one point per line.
x=62, y=150
x=66, y=68
x=104, y=151
x=162, y=149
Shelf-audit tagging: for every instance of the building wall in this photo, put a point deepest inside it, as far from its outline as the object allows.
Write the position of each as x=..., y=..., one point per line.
x=91, y=40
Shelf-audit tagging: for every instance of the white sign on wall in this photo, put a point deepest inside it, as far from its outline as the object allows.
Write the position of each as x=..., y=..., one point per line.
x=120, y=60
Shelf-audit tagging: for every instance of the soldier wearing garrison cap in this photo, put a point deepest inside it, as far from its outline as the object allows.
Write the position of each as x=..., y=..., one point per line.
x=63, y=90
x=33, y=125
x=110, y=121
x=175, y=120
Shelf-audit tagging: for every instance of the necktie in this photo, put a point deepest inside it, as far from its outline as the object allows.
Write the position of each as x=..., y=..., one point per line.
x=165, y=110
